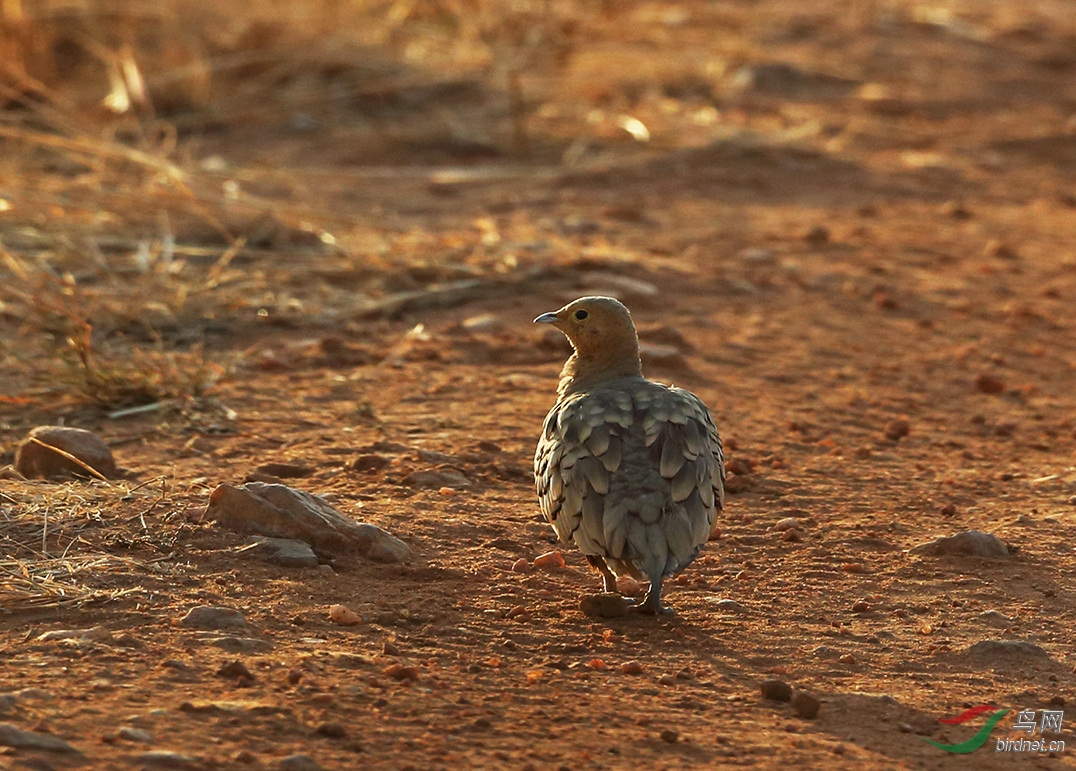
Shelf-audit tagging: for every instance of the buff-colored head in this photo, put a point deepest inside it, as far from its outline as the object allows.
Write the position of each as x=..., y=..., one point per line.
x=603, y=335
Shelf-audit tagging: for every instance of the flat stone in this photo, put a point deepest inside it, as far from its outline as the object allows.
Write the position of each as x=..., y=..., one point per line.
x=167, y=759
x=994, y=618
x=35, y=458
x=286, y=552
x=11, y=736
x=298, y=763
x=132, y=734
x=241, y=644
x=99, y=633
x=730, y=606
x=211, y=617
x=1007, y=648
x=436, y=479
x=284, y=470
x=279, y=511
x=970, y=543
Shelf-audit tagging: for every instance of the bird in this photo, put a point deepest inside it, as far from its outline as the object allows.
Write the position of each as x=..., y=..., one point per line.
x=630, y=470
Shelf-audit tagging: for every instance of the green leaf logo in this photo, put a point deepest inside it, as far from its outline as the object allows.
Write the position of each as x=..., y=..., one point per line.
x=980, y=738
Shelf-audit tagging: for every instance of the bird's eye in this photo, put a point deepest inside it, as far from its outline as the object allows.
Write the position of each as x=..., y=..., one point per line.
x=580, y=315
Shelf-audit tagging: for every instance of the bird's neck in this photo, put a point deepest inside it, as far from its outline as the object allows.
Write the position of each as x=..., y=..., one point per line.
x=587, y=369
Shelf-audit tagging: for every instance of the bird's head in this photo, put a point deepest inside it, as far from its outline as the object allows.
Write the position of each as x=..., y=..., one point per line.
x=603, y=335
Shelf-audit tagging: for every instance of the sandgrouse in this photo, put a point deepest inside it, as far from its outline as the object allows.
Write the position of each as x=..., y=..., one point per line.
x=629, y=470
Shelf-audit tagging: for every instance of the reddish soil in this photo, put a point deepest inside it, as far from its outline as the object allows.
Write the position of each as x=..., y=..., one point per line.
x=851, y=232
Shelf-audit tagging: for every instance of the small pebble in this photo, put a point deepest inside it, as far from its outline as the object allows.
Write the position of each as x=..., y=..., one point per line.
x=400, y=672
x=521, y=565
x=786, y=524
x=132, y=734
x=989, y=384
x=995, y=247
x=631, y=668
x=793, y=535
x=298, y=763
x=166, y=759
x=776, y=690
x=817, y=235
x=860, y=606
x=210, y=617
x=806, y=705
x=956, y=210
x=739, y=465
x=994, y=618
x=670, y=736
x=730, y=606
x=897, y=429
x=341, y=614
x=552, y=559
x=235, y=670
x=847, y=658
x=332, y=730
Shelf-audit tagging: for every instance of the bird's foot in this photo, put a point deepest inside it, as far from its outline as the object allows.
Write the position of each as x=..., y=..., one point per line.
x=651, y=603
x=645, y=607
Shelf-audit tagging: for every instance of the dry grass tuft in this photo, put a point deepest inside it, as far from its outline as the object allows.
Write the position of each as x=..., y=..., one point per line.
x=145, y=376
x=49, y=551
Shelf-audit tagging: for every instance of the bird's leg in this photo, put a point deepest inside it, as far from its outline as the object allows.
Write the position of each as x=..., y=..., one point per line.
x=608, y=579
x=651, y=603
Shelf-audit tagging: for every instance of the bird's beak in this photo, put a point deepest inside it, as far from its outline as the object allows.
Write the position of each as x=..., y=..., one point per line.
x=546, y=318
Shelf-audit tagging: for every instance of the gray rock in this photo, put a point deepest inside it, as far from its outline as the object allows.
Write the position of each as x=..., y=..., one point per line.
x=286, y=552
x=211, y=617
x=1007, y=649
x=298, y=763
x=132, y=734
x=730, y=606
x=241, y=644
x=825, y=652
x=35, y=457
x=10, y=736
x=970, y=543
x=994, y=618
x=98, y=633
x=167, y=759
x=436, y=478
x=279, y=511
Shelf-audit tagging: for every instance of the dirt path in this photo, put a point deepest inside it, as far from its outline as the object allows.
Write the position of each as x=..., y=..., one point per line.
x=854, y=242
